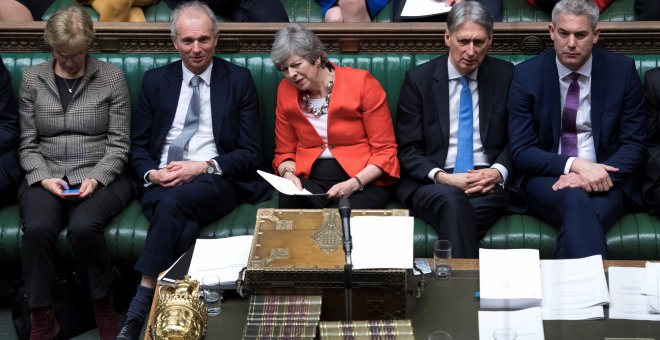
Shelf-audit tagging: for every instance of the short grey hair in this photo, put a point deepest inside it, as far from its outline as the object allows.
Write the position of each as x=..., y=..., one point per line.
x=577, y=8
x=176, y=14
x=472, y=11
x=297, y=40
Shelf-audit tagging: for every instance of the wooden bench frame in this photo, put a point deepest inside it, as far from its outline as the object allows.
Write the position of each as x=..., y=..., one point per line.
x=642, y=37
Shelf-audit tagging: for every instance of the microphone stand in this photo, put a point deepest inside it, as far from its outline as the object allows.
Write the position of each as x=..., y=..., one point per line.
x=345, y=214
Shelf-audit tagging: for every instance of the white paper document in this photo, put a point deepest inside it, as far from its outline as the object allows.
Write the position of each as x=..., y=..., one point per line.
x=382, y=242
x=509, y=278
x=650, y=286
x=284, y=185
x=224, y=257
x=525, y=324
x=419, y=8
x=627, y=300
x=574, y=289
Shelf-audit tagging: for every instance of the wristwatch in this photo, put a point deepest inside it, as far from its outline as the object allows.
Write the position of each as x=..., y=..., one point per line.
x=210, y=167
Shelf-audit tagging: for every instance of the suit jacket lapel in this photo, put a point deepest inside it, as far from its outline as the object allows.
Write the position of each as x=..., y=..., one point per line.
x=219, y=96
x=554, y=98
x=485, y=84
x=440, y=93
x=598, y=90
x=172, y=91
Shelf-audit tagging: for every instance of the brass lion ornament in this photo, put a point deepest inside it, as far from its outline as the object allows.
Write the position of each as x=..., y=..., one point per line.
x=180, y=313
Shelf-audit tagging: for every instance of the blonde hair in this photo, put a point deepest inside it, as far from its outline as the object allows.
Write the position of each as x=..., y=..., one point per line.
x=69, y=28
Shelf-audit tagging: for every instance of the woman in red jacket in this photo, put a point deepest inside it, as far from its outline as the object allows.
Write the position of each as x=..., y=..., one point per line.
x=333, y=129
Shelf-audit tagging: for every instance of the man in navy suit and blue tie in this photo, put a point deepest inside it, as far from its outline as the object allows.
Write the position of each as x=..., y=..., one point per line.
x=196, y=146
x=451, y=127
x=576, y=128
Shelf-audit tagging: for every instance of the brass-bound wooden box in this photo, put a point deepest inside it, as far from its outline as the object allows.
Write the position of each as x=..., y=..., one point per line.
x=300, y=252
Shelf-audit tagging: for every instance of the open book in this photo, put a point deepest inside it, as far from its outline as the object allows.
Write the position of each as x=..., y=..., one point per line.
x=224, y=257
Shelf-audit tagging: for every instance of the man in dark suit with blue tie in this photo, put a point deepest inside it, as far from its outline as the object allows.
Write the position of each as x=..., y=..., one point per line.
x=10, y=169
x=451, y=128
x=576, y=126
x=196, y=146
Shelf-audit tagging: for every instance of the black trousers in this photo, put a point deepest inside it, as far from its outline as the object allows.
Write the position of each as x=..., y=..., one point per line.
x=44, y=215
x=7, y=189
x=245, y=10
x=176, y=215
x=326, y=173
x=456, y=217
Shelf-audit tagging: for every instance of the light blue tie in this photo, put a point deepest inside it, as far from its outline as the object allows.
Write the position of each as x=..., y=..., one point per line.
x=189, y=126
x=465, y=150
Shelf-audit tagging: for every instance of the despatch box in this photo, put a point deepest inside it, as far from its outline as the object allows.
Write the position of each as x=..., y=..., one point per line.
x=297, y=251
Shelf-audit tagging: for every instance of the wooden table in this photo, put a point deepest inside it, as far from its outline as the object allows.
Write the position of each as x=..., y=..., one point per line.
x=450, y=305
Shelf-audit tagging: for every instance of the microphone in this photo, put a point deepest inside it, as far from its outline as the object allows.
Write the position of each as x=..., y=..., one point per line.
x=345, y=214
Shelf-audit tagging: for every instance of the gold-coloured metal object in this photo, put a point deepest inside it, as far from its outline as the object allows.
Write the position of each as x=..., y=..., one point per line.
x=329, y=236
x=180, y=313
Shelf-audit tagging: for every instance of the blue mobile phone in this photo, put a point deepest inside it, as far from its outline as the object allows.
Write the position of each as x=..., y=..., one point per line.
x=71, y=192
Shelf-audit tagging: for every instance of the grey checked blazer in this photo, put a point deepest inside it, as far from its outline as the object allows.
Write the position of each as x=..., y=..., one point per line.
x=90, y=140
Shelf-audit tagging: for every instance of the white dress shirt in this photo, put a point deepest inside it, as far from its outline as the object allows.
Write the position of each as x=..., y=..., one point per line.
x=201, y=146
x=585, y=139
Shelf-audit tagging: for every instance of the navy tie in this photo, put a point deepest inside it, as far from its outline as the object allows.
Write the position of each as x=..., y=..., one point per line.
x=465, y=149
x=189, y=126
x=568, y=127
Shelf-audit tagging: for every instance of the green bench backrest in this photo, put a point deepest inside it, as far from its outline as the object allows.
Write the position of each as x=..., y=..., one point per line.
x=389, y=69
x=309, y=11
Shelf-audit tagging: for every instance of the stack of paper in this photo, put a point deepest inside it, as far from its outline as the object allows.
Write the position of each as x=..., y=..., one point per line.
x=224, y=257
x=574, y=289
x=522, y=324
x=382, y=242
x=509, y=278
x=650, y=287
x=625, y=291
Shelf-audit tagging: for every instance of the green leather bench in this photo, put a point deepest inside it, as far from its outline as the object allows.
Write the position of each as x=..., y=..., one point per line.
x=309, y=11
x=634, y=237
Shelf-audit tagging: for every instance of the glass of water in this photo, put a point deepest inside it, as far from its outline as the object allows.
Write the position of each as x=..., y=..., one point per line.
x=441, y=257
x=212, y=294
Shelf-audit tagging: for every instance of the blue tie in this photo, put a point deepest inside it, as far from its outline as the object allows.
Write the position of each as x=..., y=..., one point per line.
x=464, y=152
x=179, y=143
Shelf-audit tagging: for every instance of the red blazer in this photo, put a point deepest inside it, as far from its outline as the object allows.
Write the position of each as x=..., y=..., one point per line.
x=360, y=128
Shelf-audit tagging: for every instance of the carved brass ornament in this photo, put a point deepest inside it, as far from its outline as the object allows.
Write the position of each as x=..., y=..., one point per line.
x=180, y=313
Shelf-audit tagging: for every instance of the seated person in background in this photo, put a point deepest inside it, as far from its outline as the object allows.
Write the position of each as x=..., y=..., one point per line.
x=75, y=125
x=576, y=129
x=647, y=10
x=333, y=129
x=451, y=129
x=196, y=146
x=651, y=186
x=244, y=10
x=494, y=7
x=119, y=10
x=351, y=10
x=10, y=169
x=548, y=5
x=23, y=10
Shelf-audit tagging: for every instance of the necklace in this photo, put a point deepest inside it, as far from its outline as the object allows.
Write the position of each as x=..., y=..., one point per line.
x=72, y=86
x=319, y=111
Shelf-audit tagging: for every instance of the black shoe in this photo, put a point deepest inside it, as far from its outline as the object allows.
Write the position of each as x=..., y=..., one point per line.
x=131, y=329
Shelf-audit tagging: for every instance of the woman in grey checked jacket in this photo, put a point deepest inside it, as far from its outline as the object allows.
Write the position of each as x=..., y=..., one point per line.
x=75, y=134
